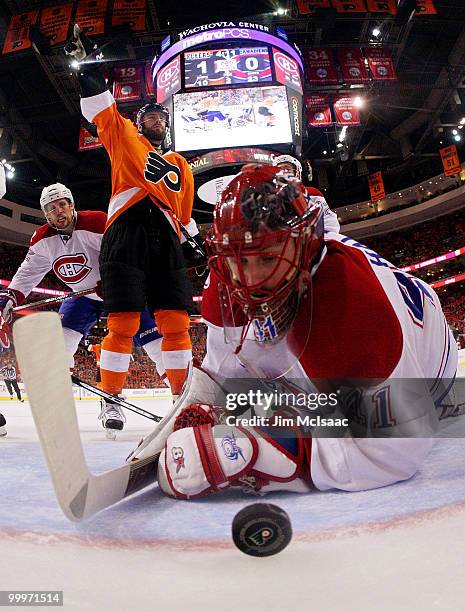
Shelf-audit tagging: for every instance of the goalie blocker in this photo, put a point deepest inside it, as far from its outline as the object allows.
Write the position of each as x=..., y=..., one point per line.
x=203, y=455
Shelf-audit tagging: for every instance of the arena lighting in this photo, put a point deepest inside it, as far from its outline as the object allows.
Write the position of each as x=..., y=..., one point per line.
x=74, y=64
x=358, y=102
x=457, y=138
x=375, y=32
x=342, y=134
x=417, y=266
x=11, y=169
x=454, y=132
x=435, y=260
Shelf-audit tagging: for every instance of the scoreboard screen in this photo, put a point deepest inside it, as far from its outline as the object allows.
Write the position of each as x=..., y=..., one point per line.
x=227, y=67
x=239, y=117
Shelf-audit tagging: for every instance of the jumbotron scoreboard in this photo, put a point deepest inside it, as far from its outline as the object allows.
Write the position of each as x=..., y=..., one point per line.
x=230, y=85
x=235, y=66
x=234, y=91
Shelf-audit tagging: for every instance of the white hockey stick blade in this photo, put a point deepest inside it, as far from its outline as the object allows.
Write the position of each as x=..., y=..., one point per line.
x=41, y=356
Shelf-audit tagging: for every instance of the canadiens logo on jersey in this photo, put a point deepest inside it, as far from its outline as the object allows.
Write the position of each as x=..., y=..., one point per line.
x=71, y=268
x=157, y=169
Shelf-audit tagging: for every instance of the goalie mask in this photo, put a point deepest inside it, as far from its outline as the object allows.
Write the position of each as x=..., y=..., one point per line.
x=265, y=237
x=57, y=204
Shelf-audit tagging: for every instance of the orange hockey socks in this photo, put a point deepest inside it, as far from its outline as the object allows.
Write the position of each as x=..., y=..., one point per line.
x=176, y=346
x=117, y=349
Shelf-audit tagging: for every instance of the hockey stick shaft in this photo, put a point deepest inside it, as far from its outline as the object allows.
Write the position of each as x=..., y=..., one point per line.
x=41, y=354
x=115, y=399
x=53, y=300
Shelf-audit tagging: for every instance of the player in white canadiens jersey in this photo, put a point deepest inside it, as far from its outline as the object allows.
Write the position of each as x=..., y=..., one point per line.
x=293, y=165
x=367, y=344
x=69, y=244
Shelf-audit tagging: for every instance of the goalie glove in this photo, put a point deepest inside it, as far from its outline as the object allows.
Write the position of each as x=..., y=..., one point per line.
x=201, y=456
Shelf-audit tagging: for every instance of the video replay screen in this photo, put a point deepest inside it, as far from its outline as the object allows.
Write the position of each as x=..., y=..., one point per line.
x=231, y=118
x=227, y=67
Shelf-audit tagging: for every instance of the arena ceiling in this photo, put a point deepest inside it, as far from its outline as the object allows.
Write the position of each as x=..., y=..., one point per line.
x=403, y=122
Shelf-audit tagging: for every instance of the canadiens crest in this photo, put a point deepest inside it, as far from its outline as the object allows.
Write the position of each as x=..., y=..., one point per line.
x=71, y=268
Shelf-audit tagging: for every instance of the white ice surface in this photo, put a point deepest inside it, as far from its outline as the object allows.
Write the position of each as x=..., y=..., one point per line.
x=397, y=548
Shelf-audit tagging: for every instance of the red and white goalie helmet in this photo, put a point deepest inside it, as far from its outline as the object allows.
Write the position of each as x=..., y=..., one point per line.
x=265, y=236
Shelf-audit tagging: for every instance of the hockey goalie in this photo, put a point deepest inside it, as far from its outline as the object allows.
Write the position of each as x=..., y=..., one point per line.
x=284, y=300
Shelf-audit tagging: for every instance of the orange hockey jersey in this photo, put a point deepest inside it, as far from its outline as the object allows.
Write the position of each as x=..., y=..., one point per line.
x=137, y=169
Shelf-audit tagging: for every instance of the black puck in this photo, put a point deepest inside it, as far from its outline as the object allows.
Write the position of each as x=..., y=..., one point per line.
x=261, y=530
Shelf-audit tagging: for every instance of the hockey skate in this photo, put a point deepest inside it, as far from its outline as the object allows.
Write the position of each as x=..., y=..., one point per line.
x=112, y=417
x=2, y=425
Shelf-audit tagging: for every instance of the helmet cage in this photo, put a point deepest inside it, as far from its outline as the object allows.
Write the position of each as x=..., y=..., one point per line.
x=271, y=311
x=265, y=213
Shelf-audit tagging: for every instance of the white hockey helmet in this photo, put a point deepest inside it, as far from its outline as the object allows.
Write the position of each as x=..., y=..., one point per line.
x=288, y=159
x=57, y=191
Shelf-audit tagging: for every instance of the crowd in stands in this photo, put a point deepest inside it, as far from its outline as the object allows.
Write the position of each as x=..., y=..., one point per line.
x=405, y=247
x=421, y=241
x=11, y=257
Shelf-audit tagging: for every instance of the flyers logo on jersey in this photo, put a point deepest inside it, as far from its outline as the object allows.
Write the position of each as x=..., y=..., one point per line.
x=157, y=169
x=71, y=268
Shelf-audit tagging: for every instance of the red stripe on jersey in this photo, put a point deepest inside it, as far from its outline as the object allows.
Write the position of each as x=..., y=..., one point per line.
x=87, y=220
x=91, y=221
x=44, y=231
x=314, y=192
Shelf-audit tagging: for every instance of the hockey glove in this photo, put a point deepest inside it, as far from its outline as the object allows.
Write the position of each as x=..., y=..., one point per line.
x=8, y=300
x=82, y=49
x=194, y=253
x=79, y=46
x=4, y=335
